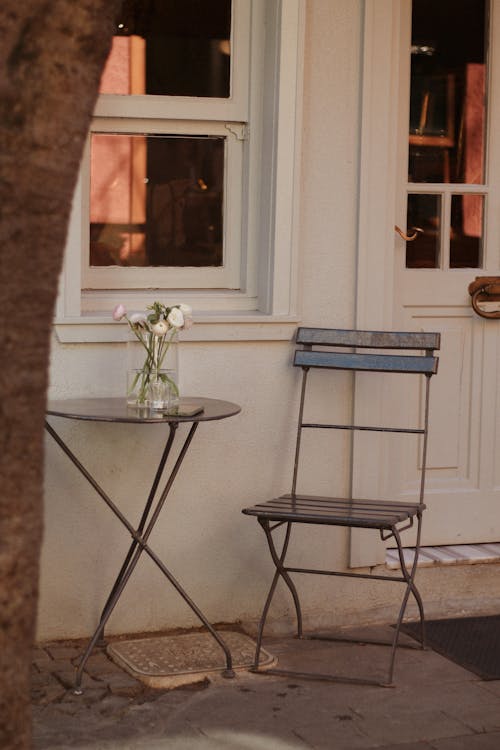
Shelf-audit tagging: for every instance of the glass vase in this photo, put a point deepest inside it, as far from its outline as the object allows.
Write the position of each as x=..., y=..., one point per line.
x=162, y=391
x=148, y=384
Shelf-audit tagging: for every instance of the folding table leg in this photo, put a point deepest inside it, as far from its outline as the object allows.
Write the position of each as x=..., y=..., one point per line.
x=166, y=452
x=139, y=545
x=142, y=546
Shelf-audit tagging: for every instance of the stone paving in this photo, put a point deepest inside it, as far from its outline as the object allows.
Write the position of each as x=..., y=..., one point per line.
x=436, y=705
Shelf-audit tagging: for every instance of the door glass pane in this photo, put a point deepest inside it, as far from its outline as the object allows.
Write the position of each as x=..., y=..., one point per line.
x=156, y=200
x=466, y=232
x=173, y=48
x=447, y=92
x=424, y=213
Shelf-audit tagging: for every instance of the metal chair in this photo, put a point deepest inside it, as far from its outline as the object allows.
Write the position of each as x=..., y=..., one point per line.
x=389, y=518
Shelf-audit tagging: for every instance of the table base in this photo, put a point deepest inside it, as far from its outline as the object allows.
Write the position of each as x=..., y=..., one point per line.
x=140, y=536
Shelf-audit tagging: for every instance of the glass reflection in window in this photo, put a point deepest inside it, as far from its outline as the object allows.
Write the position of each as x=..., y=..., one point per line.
x=171, y=48
x=447, y=94
x=156, y=200
x=424, y=213
x=466, y=231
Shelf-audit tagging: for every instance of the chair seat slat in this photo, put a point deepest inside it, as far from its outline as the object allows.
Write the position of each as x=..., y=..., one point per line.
x=333, y=514
x=339, y=511
x=337, y=508
x=361, y=523
x=360, y=502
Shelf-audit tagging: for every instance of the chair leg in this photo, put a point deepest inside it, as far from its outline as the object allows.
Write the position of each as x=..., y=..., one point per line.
x=410, y=576
x=262, y=622
x=279, y=561
x=280, y=571
x=410, y=589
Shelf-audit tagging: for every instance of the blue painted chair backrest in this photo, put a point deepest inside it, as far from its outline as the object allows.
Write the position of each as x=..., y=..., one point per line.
x=373, y=361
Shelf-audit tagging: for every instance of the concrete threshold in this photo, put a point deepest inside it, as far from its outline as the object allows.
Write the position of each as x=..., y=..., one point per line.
x=455, y=554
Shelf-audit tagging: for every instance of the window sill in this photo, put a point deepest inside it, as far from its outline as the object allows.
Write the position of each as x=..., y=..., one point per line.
x=230, y=327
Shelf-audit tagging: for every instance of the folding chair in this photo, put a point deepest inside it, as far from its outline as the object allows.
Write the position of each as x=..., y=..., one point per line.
x=388, y=517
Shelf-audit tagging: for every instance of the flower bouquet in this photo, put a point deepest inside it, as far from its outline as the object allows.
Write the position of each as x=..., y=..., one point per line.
x=156, y=331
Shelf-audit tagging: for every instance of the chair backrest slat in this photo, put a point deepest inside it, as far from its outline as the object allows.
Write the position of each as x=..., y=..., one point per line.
x=369, y=362
x=368, y=339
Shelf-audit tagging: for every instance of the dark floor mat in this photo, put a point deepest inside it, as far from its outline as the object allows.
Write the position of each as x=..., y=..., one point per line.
x=472, y=642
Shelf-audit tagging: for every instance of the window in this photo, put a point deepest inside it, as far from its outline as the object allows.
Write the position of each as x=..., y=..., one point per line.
x=160, y=202
x=156, y=200
x=189, y=176
x=165, y=194
x=447, y=138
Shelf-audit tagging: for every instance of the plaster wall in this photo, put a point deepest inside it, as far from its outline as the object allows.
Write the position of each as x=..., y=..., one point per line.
x=219, y=555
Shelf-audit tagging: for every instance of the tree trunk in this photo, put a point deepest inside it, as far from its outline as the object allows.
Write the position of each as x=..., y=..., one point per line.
x=51, y=56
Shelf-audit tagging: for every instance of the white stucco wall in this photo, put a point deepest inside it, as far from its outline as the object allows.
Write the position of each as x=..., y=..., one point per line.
x=217, y=553
x=330, y=165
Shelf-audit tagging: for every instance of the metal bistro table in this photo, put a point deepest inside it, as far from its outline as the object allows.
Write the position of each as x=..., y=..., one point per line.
x=115, y=410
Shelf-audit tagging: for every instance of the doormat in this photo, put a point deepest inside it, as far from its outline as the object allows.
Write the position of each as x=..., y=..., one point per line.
x=471, y=642
x=174, y=660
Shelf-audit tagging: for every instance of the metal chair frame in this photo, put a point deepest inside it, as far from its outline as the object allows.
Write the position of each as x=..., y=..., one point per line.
x=390, y=518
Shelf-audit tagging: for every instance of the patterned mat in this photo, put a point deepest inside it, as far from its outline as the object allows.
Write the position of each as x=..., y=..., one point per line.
x=167, y=661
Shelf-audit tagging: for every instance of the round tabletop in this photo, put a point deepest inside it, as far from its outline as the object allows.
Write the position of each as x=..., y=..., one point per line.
x=193, y=409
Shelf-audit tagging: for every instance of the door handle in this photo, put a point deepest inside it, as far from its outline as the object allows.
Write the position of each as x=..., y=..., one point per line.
x=485, y=289
x=409, y=237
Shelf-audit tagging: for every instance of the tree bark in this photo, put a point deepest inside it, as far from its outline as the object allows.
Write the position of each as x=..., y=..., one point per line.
x=51, y=56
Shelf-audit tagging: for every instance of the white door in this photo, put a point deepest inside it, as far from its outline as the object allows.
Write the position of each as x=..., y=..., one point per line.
x=443, y=179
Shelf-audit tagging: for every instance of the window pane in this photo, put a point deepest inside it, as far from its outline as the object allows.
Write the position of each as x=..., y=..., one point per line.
x=466, y=240
x=447, y=98
x=424, y=212
x=156, y=200
x=171, y=47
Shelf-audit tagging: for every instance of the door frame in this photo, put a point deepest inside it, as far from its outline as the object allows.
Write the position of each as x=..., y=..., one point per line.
x=383, y=165
x=382, y=108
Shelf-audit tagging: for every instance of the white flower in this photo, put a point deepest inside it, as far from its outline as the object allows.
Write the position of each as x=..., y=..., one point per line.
x=119, y=312
x=138, y=319
x=176, y=318
x=186, y=310
x=160, y=328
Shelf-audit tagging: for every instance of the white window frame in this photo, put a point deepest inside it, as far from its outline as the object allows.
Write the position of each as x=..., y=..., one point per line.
x=228, y=275
x=262, y=125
